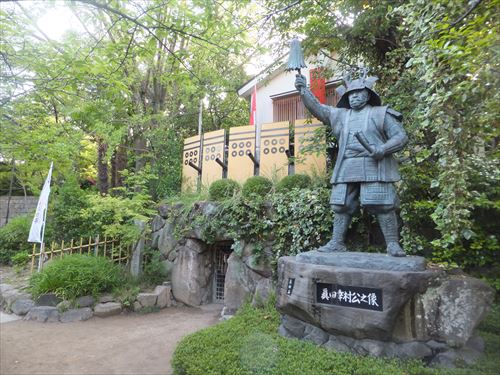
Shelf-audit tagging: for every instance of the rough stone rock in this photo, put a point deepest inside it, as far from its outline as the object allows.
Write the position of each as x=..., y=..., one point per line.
x=22, y=306
x=4, y=288
x=48, y=299
x=168, y=267
x=163, y=296
x=315, y=335
x=107, y=309
x=455, y=358
x=437, y=346
x=295, y=327
x=414, y=349
x=192, y=274
x=85, y=301
x=205, y=209
x=263, y=289
x=43, y=314
x=76, y=315
x=147, y=299
x=166, y=210
x=374, y=348
x=64, y=305
x=334, y=343
x=240, y=283
x=397, y=288
x=157, y=223
x=106, y=298
x=137, y=306
x=167, y=241
x=368, y=261
x=476, y=343
x=10, y=295
x=452, y=310
x=260, y=266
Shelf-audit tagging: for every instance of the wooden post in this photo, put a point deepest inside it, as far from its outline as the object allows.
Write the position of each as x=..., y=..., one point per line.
x=105, y=243
x=88, y=246
x=96, y=247
x=112, y=249
x=62, y=247
x=71, y=248
x=81, y=243
x=33, y=258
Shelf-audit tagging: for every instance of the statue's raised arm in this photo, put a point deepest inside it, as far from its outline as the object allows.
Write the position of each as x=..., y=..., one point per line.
x=318, y=110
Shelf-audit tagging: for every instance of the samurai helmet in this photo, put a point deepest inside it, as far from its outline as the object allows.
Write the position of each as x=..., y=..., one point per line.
x=363, y=82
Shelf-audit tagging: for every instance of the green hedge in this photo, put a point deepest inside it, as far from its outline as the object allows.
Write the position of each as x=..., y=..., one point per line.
x=296, y=181
x=223, y=189
x=77, y=275
x=249, y=344
x=256, y=186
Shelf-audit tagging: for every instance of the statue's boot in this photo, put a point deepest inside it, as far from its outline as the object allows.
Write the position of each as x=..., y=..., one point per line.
x=340, y=225
x=389, y=225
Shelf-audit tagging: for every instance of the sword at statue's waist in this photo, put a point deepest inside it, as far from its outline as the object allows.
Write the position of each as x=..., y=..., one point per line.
x=360, y=136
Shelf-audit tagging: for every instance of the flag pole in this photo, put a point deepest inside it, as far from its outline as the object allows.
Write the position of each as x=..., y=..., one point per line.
x=42, y=244
x=37, y=230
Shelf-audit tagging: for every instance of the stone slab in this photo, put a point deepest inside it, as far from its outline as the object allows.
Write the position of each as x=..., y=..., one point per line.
x=48, y=299
x=22, y=306
x=43, y=314
x=107, y=309
x=369, y=261
x=147, y=299
x=76, y=315
x=163, y=299
x=85, y=301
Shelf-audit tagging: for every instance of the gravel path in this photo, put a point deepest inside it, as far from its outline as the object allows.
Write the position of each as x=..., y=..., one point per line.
x=129, y=344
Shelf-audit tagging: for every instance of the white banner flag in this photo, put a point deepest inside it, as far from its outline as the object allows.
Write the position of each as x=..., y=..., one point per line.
x=39, y=219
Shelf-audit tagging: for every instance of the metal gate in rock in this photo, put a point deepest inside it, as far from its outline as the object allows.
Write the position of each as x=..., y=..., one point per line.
x=221, y=254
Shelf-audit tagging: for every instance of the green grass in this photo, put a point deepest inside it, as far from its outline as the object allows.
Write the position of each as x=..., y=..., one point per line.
x=77, y=275
x=249, y=344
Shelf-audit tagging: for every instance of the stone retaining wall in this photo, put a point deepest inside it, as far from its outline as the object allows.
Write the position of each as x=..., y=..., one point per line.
x=18, y=206
x=189, y=262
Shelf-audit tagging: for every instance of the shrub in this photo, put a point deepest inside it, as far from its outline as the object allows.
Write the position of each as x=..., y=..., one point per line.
x=14, y=238
x=223, y=189
x=249, y=344
x=296, y=181
x=66, y=214
x=77, y=213
x=154, y=272
x=77, y=275
x=21, y=259
x=257, y=185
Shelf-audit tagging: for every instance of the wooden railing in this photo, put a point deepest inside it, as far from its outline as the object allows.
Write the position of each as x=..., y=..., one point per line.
x=111, y=248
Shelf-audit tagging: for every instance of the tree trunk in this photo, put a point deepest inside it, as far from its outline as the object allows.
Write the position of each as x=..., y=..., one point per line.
x=102, y=167
x=118, y=164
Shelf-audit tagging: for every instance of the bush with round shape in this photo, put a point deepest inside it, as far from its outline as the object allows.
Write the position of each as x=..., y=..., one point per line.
x=223, y=189
x=76, y=275
x=257, y=186
x=296, y=181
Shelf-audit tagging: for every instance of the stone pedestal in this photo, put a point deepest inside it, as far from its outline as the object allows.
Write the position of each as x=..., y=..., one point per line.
x=378, y=305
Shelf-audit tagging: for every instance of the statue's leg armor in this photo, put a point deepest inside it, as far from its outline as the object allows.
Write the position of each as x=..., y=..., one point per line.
x=342, y=220
x=389, y=224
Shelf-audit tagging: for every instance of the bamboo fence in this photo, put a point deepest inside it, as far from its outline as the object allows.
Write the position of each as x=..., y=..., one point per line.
x=111, y=248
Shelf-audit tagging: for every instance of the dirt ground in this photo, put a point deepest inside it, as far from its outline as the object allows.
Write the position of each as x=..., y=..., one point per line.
x=129, y=344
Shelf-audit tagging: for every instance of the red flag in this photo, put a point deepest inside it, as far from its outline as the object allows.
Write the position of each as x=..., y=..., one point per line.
x=318, y=82
x=253, y=106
